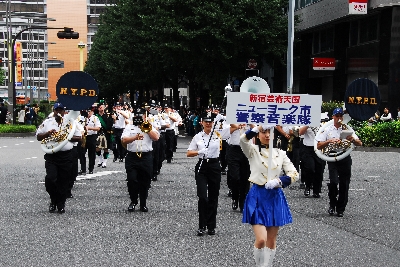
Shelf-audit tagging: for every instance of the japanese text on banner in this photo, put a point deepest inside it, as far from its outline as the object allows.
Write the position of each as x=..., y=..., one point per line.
x=277, y=109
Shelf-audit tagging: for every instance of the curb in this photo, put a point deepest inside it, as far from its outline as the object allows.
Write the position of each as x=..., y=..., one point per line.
x=17, y=135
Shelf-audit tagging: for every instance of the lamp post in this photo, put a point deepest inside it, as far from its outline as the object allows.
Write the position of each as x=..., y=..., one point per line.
x=81, y=46
x=13, y=95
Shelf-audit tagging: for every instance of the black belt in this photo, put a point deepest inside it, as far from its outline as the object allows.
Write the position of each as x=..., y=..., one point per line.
x=169, y=130
x=210, y=160
x=143, y=152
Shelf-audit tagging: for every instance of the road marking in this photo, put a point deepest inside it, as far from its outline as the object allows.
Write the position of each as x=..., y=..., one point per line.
x=97, y=174
x=91, y=176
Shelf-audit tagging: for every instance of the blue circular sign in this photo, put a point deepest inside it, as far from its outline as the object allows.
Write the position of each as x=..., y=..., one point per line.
x=77, y=90
x=362, y=99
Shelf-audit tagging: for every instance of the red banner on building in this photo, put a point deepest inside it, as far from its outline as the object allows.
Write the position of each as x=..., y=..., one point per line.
x=18, y=60
x=357, y=7
x=324, y=63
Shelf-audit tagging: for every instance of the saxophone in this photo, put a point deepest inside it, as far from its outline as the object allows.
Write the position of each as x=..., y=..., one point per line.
x=295, y=130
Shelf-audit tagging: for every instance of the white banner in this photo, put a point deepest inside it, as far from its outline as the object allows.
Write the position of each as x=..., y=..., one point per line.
x=273, y=108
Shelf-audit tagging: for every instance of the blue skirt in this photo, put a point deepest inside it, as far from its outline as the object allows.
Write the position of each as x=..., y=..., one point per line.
x=266, y=207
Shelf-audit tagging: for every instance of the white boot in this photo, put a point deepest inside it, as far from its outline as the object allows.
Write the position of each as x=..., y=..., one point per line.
x=100, y=160
x=258, y=254
x=269, y=255
x=104, y=164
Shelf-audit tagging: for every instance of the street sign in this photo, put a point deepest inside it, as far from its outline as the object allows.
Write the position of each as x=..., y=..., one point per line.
x=252, y=64
x=34, y=88
x=47, y=95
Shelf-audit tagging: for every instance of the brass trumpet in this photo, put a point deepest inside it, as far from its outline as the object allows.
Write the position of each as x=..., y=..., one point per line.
x=146, y=127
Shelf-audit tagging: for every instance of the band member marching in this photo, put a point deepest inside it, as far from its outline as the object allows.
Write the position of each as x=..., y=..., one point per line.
x=58, y=165
x=138, y=138
x=206, y=146
x=119, y=117
x=92, y=127
x=104, y=139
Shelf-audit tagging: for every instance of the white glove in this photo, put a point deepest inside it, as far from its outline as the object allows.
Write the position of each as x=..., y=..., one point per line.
x=203, y=152
x=219, y=117
x=267, y=126
x=273, y=184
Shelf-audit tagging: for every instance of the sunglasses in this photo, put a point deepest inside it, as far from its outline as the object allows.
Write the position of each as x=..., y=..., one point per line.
x=339, y=115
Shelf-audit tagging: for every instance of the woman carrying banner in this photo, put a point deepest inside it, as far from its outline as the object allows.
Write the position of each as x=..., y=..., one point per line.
x=266, y=208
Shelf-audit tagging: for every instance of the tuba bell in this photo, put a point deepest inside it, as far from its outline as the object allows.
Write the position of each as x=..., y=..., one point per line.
x=338, y=151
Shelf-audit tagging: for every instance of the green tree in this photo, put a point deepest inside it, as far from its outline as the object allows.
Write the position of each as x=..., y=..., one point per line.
x=2, y=76
x=155, y=43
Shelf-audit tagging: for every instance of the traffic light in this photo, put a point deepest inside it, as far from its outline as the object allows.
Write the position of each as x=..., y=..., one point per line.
x=67, y=33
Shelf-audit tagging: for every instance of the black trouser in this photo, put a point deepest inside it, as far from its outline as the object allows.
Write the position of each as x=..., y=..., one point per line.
x=156, y=156
x=208, y=181
x=74, y=171
x=119, y=151
x=339, y=173
x=82, y=156
x=294, y=155
x=91, y=150
x=239, y=173
x=312, y=168
x=169, y=140
x=58, y=175
x=161, y=153
x=175, y=142
x=139, y=171
x=222, y=155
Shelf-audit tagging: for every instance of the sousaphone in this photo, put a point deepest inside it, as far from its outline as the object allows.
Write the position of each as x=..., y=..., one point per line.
x=76, y=90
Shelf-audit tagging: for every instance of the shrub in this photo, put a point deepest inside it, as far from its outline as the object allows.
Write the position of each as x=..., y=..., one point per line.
x=381, y=134
x=9, y=128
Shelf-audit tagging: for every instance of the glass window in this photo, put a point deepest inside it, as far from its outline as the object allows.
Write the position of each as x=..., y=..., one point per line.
x=316, y=43
x=353, y=33
x=368, y=30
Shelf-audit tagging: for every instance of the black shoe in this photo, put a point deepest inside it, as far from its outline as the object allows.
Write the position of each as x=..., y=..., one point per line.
x=211, y=232
x=90, y=172
x=114, y=160
x=131, y=207
x=340, y=214
x=121, y=160
x=52, y=207
x=316, y=195
x=201, y=231
x=229, y=193
x=302, y=186
x=83, y=173
x=61, y=210
x=144, y=209
x=331, y=211
x=234, y=204
x=154, y=178
x=103, y=166
x=307, y=191
x=80, y=172
x=99, y=165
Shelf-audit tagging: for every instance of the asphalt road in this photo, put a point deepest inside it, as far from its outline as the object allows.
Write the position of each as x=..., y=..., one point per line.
x=96, y=229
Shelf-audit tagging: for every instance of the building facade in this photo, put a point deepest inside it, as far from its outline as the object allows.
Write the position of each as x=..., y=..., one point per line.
x=362, y=46
x=45, y=58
